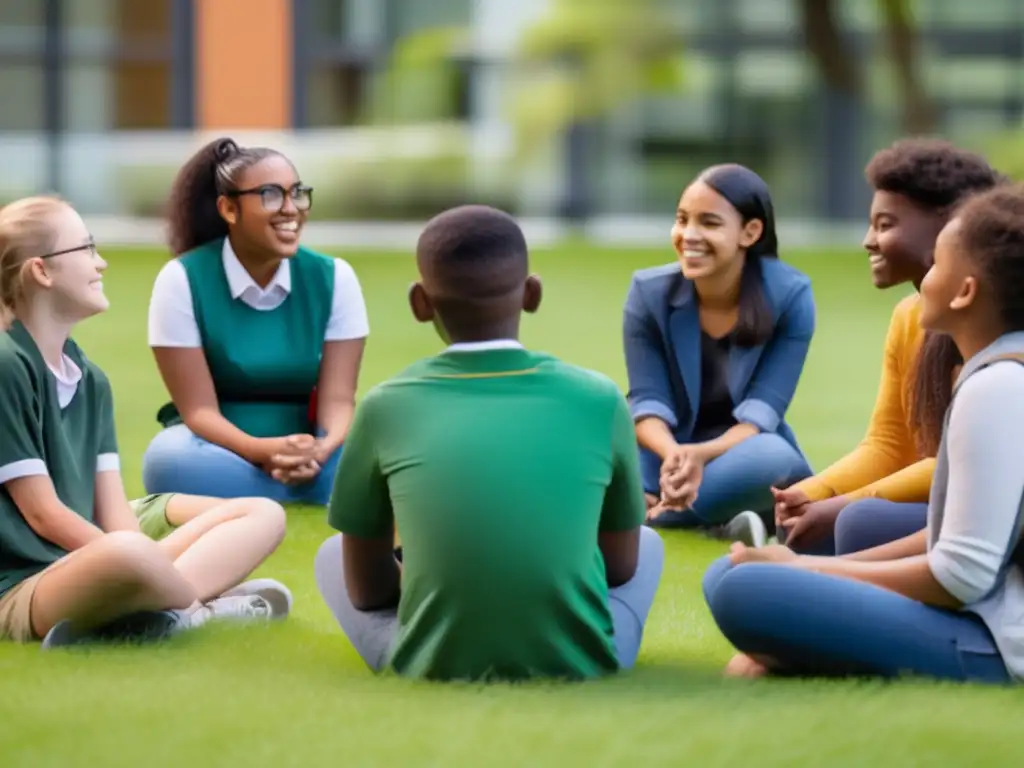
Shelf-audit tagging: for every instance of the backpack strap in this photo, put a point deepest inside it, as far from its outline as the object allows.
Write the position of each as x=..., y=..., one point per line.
x=1016, y=357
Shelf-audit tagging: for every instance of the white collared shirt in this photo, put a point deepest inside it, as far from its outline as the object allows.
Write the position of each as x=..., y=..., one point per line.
x=484, y=346
x=172, y=319
x=68, y=377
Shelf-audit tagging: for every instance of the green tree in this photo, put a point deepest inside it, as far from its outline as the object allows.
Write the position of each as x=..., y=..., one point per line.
x=576, y=63
x=839, y=67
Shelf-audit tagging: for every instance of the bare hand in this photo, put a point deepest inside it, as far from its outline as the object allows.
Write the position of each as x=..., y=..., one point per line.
x=681, y=475
x=789, y=503
x=772, y=553
x=816, y=523
x=293, y=470
x=287, y=454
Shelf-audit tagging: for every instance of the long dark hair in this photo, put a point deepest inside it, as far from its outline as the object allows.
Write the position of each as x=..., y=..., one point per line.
x=192, y=215
x=992, y=235
x=748, y=194
x=932, y=389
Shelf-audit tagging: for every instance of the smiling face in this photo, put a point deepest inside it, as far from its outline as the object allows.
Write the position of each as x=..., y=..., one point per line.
x=71, y=273
x=900, y=239
x=950, y=288
x=269, y=208
x=709, y=235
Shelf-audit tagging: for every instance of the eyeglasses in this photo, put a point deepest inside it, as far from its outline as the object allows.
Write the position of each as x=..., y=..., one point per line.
x=272, y=196
x=89, y=246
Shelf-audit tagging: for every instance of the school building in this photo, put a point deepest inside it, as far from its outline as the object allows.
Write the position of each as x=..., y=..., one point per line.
x=107, y=69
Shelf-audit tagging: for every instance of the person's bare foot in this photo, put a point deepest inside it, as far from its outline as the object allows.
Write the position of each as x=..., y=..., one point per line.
x=742, y=665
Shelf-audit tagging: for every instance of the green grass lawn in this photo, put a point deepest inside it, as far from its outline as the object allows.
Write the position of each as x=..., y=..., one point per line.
x=297, y=695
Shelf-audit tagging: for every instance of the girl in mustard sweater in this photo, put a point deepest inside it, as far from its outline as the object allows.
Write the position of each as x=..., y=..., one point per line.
x=917, y=183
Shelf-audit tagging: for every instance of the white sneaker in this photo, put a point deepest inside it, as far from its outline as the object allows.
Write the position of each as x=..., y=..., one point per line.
x=274, y=592
x=245, y=608
x=748, y=528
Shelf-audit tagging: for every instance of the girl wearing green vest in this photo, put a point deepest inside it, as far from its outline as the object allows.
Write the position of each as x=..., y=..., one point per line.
x=947, y=601
x=74, y=564
x=258, y=340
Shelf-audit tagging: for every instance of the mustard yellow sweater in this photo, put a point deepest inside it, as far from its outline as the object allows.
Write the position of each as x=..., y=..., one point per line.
x=886, y=464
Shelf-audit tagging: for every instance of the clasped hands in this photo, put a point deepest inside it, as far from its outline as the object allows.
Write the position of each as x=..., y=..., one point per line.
x=294, y=459
x=681, y=475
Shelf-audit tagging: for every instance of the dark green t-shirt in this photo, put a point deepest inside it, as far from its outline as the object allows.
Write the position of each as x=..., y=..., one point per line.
x=499, y=468
x=38, y=437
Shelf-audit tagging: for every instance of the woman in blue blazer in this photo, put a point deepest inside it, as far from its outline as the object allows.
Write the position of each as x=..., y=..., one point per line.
x=715, y=345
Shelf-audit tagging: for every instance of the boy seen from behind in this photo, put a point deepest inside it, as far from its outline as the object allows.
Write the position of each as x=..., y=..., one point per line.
x=513, y=478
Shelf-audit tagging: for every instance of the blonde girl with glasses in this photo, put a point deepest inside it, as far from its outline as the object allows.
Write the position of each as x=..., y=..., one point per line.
x=74, y=564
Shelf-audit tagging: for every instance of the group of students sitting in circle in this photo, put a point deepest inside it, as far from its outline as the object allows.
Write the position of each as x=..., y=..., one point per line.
x=525, y=556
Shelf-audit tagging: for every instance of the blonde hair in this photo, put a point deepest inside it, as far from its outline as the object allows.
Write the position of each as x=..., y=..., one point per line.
x=26, y=231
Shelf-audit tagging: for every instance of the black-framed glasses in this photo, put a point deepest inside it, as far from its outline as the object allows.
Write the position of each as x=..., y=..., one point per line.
x=273, y=196
x=89, y=246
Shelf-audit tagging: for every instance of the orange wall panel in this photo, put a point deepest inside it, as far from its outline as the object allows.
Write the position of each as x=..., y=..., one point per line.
x=243, y=64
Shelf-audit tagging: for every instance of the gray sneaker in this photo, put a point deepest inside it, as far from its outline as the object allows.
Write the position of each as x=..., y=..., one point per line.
x=245, y=608
x=141, y=627
x=274, y=592
x=748, y=528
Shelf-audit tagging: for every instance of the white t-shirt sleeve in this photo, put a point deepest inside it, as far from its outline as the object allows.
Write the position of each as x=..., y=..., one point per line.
x=172, y=318
x=348, y=307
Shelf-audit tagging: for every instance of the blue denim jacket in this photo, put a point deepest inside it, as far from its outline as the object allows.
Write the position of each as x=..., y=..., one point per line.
x=661, y=336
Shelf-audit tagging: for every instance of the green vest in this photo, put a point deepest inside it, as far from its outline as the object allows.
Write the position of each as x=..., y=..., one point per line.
x=264, y=364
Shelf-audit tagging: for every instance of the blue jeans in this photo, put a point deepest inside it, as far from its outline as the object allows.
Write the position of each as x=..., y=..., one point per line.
x=865, y=524
x=372, y=632
x=810, y=624
x=179, y=462
x=736, y=481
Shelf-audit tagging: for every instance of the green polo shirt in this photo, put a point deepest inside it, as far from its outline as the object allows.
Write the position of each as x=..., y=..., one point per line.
x=39, y=437
x=499, y=467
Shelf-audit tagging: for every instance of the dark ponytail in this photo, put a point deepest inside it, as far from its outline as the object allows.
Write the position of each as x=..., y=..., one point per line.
x=192, y=215
x=749, y=195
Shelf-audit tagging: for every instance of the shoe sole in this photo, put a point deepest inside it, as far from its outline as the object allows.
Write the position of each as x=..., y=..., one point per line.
x=277, y=595
x=747, y=528
x=142, y=627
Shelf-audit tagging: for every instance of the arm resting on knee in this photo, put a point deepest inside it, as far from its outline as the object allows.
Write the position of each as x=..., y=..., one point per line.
x=36, y=499
x=112, y=510
x=187, y=378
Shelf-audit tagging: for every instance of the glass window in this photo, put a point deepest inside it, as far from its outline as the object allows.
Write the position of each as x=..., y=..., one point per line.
x=118, y=70
x=957, y=15
x=21, y=29
x=413, y=15
x=359, y=24
x=336, y=94
x=22, y=84
x=972, y=78
x=117, y=96
x=760, y=16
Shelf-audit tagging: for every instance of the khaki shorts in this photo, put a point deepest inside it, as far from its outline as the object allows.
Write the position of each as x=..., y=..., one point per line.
x=16, y=610
x=16, y=603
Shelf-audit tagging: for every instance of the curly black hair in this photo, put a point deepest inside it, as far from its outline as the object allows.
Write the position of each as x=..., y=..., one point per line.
x=992, y=235
x=192, y=215
x=933, y=173
x=937, y=176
